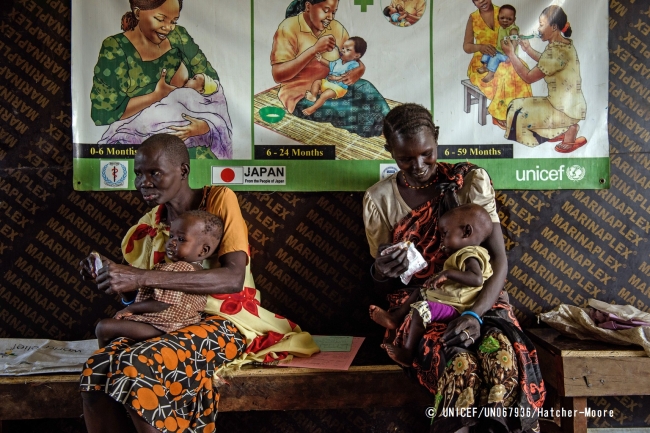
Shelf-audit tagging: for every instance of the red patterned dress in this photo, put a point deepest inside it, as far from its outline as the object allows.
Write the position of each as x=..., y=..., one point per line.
x=501, y=369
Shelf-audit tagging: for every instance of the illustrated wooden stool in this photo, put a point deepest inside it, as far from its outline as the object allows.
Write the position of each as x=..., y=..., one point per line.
x=473, y=95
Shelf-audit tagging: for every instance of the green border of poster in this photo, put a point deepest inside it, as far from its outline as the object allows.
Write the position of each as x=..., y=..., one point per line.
x=358, y=175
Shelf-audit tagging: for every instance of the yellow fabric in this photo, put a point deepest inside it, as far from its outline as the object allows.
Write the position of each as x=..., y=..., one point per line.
x=456, y=294
x=384, y=207
x=291, y=39
x=222, y=201
x=559, y=62
x=507, y=84
x=338, y=90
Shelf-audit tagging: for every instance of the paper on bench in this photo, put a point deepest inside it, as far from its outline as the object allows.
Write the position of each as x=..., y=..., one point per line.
x=333, y=343
x=327, y=360
x=23, y=356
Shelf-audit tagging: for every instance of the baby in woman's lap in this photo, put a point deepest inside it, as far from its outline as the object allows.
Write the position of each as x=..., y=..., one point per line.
x=193, y=237
x=449, y=293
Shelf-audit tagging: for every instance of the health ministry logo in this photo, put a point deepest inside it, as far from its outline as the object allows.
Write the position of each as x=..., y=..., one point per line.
x=385, y=170
x=113, y=174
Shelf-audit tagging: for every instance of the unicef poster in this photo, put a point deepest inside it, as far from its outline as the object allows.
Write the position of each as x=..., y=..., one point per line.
x=261, y=102
x=524, y=84
x=290, y=95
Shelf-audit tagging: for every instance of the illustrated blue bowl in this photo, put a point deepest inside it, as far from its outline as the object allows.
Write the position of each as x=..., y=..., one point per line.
x=272, y=114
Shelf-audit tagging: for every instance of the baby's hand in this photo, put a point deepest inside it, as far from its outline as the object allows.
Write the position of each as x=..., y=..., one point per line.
x=319, y=56
x=123, y=313
x=436, y=281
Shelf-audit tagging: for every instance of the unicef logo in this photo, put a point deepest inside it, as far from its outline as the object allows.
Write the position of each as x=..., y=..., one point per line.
x=575, y=173
x=114, y=174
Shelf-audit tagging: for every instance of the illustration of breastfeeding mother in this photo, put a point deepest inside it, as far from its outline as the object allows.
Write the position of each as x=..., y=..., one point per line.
x=305, y=46
x=153, y=78
x=535, y=120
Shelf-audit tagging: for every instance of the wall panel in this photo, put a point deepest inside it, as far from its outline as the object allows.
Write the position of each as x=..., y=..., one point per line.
x=309, y=253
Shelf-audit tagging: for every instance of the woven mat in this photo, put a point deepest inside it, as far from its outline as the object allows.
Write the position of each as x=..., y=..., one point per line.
x=348, y=145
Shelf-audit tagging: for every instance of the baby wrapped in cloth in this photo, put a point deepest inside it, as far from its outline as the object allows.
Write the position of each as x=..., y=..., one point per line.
x=201, y=97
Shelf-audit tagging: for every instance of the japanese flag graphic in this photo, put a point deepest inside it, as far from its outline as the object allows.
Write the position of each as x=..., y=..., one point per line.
x=227, y=175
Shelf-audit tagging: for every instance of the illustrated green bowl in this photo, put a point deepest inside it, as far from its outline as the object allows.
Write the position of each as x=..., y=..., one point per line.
x=271, y=114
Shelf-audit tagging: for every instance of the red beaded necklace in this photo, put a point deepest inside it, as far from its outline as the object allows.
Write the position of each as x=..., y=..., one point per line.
x=417, y=187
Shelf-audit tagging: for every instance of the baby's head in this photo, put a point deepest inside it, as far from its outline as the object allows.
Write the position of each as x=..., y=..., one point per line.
x=203, y=84
x=507, y=16
x=193, y=236
x=390, y=10
x=464, y=226
x=353, y=49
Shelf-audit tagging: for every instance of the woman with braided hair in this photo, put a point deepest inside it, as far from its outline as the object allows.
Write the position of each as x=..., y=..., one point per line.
x=481, y=358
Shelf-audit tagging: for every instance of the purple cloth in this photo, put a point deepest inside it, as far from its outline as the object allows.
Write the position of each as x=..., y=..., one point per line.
x=607, y=320
x=441, y=312
x=158, y=117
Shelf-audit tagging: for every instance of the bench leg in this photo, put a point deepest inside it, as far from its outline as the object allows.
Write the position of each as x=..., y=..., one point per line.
x=467, y=104
x=482, y=110
x=577, y=423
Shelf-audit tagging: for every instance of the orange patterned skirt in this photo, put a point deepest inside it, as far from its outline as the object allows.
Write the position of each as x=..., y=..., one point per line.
x=168, y=379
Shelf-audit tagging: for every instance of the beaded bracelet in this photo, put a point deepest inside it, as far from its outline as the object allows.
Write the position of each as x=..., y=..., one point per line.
x=473, y=314
x=372, y=274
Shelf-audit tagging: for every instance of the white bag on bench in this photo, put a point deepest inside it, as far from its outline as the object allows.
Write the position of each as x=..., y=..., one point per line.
x=21, y=356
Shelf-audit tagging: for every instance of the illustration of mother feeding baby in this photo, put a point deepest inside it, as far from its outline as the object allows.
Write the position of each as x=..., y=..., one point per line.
x=153, y=78
x=310, y=46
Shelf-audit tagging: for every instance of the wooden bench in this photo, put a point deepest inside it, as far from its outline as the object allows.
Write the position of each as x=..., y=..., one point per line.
x=473, y=95
x=265, y=388
x=577, y=369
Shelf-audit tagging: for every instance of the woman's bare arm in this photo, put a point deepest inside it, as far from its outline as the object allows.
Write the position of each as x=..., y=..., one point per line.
x=353, y=75
x=532, y=53
x=486, y=297
x=229, y=278
x=528, y=75
x=470, y=47
x=139, y=103
x=286, y=71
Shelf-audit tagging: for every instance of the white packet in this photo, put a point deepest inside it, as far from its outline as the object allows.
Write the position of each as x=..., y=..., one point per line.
x=416, y=261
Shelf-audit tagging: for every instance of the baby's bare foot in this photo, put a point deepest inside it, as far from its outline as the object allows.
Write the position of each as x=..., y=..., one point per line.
x=308, y=111
x=482, y=70
x=310, y=96
x=382, y=317
x=400, y=355
x=489, y=77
